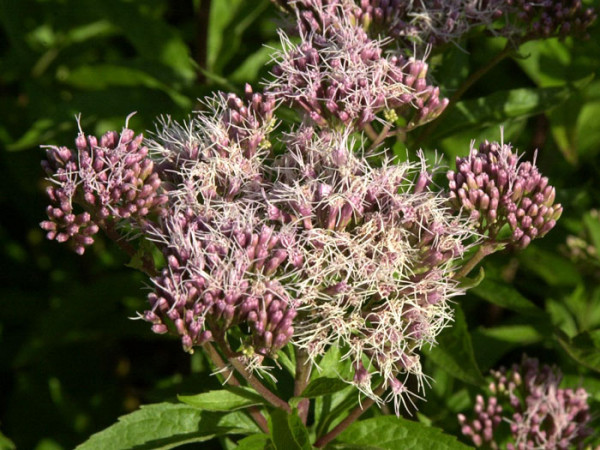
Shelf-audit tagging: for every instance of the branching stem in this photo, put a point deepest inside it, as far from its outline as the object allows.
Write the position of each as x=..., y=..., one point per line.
x=252, y=380
x=354, y=414
x=230, y=379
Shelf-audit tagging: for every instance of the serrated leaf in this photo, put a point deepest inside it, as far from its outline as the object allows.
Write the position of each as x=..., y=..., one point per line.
x=287, y=431
x=332, y=365
x=323, y=386
x=454, y=351
x=583, y=348
x=392, y=433
x=498, y=107
x=504, y=295
x=228, y=399
x=167, y=425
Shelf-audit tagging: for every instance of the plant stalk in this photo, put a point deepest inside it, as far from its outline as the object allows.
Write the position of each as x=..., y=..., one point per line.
x=230, y=379
x=354, y=414
x=301, y=381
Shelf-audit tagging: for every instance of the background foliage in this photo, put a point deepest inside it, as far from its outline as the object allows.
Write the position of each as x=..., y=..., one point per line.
x=72, y=361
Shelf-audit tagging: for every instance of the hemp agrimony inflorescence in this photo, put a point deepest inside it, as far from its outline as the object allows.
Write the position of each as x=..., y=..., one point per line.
x=310, y=238
x=527, y=400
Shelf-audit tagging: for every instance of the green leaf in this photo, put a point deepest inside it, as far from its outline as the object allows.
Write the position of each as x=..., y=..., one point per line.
x=504, y=295
x=555, y=271
x=103, y=76
x=583, y=348
x=454, y=351
x=323, y=386
x=256, y=442
x=389, y=432
x=153, y=38
x=251, y=67
x=6, y=443
x=168, y=425
x=332, y=365
x=498, y=107
x=592, y=225
x=288, y=431
x=228, y=399
x=491, y=344
x=470, y=283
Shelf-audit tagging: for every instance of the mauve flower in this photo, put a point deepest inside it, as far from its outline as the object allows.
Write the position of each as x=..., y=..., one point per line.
x=435, y=23
x=340, y=75
x=539, y=414
x=495, y=189
x=112, y=179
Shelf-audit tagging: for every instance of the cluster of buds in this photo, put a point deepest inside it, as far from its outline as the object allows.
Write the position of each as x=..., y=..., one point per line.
x=219, y=276
x=111, y=179
x=435, y=22
x=341, y=75
x=495, y=189
x=432, y=22
x=538, y=414
x=547, y=18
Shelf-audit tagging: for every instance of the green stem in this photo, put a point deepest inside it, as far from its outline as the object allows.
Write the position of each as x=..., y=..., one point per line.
x=486, y=249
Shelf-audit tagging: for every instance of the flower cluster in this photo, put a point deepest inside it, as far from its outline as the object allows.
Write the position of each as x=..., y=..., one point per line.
x=339, y=74
x=548, y=18
x=495, y=189
x=112, y=178
x=317, y=246
x=539, y=414
x=435, y=22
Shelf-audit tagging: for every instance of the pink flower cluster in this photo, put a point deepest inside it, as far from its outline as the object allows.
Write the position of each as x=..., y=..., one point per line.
x=495, y=189
x=539, y=414
x=113, y=179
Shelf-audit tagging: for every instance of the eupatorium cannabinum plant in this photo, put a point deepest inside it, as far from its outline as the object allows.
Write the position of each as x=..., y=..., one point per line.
x=272, y=243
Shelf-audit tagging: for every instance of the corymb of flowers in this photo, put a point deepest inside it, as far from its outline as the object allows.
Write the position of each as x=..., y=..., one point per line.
x=309, y=236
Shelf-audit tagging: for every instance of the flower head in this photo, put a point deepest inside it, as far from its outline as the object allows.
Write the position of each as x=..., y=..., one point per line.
x=113, y=178
x=340, y=75
x=539, y=414
x=495, y=189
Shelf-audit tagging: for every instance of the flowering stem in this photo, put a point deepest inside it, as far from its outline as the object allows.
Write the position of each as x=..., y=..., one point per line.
x=484, y=250
x=232, y=381
x=470, y=81
x=302, y=377
x=252, y=381
x=354, y=414
x=385, y=132
x=368, y=128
